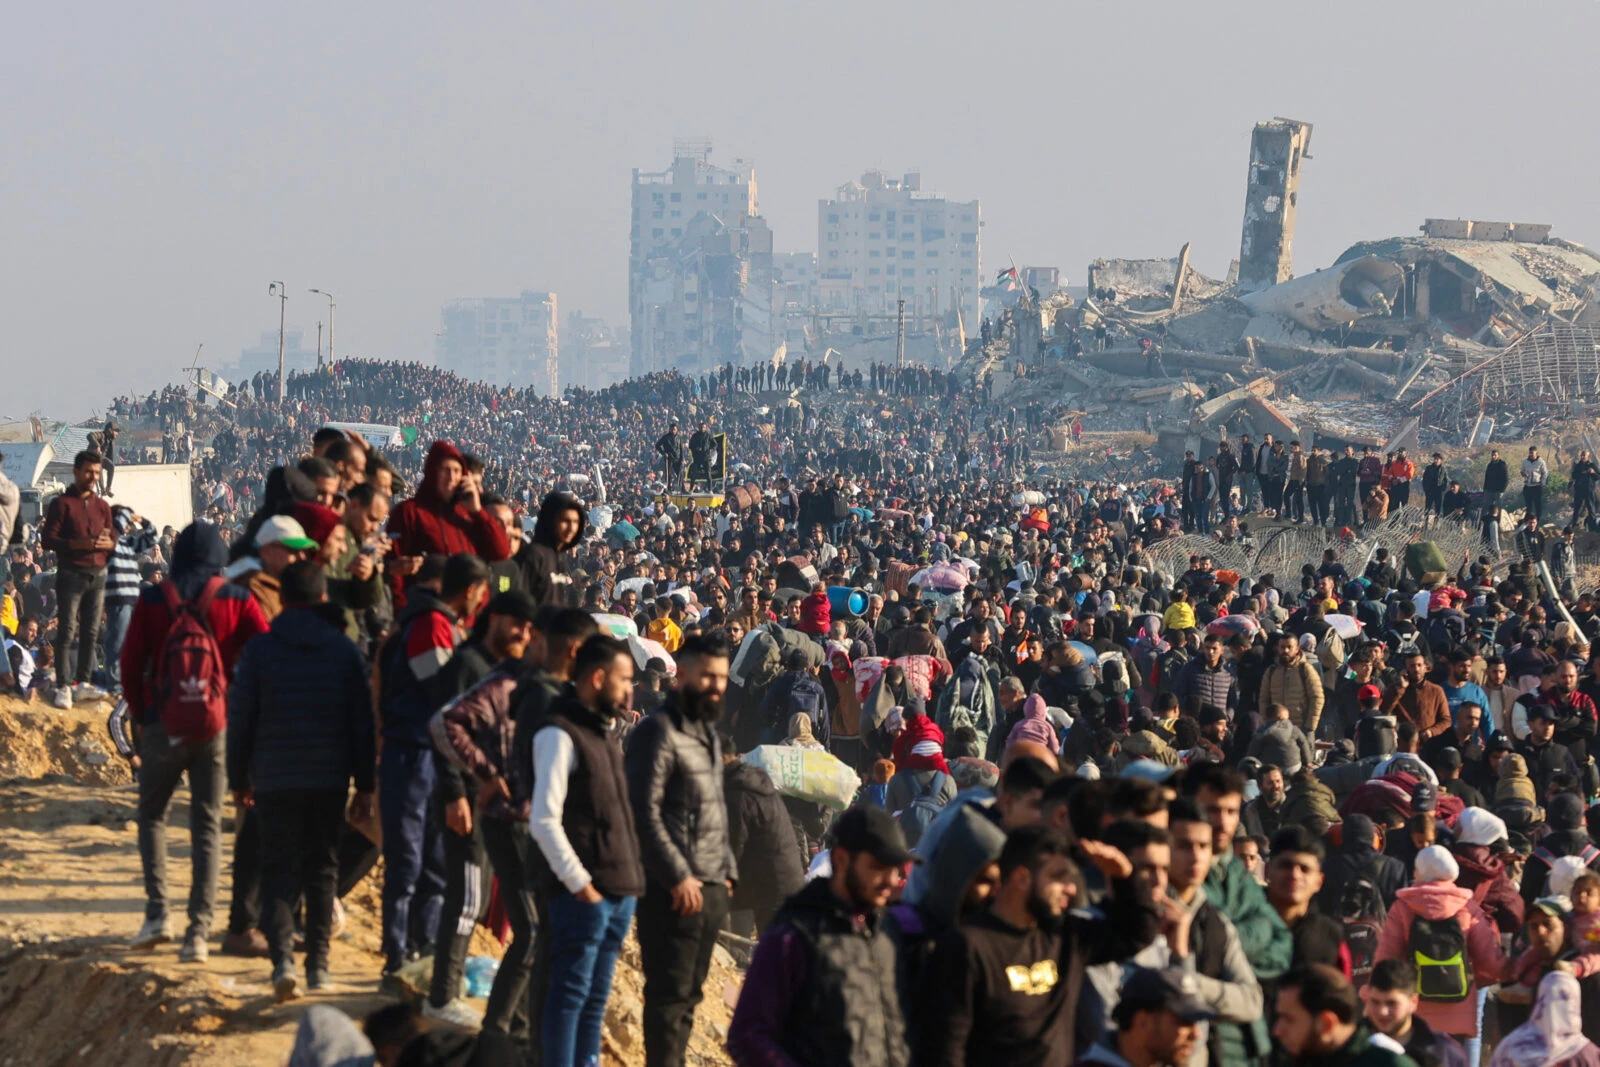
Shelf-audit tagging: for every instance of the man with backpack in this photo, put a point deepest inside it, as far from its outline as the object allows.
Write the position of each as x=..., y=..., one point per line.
x=796, y=691
x=183, y=640
x=1358, y=886
x=300, y=727
x=1441, y=930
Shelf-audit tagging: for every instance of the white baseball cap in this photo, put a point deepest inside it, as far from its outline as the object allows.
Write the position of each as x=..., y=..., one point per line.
x=286, y=531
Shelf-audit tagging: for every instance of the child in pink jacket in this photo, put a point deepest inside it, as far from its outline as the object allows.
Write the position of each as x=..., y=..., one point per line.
x=1434, y=895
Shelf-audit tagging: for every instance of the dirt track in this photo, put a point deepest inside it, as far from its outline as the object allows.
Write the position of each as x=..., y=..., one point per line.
x=71, y=894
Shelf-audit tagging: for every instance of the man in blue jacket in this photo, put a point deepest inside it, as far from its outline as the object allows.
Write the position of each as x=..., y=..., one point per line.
x=300, y=727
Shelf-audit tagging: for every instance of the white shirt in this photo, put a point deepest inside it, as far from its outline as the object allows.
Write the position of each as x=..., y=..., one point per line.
x=554, y=760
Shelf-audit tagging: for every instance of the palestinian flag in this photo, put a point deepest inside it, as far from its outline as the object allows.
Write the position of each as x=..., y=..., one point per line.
x=1008, y=279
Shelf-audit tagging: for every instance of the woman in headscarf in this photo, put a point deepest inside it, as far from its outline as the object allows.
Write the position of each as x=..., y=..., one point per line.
x=1553, y=1037
x=800, y=733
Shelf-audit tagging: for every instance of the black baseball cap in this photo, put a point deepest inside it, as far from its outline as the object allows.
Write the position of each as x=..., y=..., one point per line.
x=1424, y=797
x=1542, y=711
x=871, y=829
x=515, y=603
x=1168, y=989
x=1450, y=759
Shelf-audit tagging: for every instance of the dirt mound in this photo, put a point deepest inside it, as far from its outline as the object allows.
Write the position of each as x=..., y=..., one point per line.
x=622, y=1041
x=37, y=740
x=82, y=1010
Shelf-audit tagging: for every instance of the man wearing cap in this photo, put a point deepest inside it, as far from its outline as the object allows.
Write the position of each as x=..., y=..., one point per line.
x=1158, y=1021
x=279, y=542
x=1448, y=763
x=500, y=638
x=1004, y=986
x=820, y=989
x=1546, y=757
x=1318, y=1021
x=300, y=727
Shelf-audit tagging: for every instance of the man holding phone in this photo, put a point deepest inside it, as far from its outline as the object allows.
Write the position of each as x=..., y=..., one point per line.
x=446, y=516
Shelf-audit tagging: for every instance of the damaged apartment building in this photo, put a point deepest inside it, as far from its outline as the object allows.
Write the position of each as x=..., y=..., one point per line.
x=1446, y=333
x=701, y=286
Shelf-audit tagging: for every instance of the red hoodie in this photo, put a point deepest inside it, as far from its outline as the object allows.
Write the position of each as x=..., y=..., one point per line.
x=428, y=524
x=816, y=615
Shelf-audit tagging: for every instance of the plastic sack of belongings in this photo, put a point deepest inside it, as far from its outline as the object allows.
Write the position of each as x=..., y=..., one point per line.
x=806, y=774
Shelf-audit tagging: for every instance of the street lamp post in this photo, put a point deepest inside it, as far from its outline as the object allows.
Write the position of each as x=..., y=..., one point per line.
x=279, y=290
x=331, y=306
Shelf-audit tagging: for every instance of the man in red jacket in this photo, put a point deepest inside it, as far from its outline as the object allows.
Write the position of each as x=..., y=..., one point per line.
x=445, y=517
x=233, y=617
x=77, y=528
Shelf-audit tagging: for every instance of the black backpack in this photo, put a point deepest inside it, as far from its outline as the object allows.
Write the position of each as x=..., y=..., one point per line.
x=1439, y=950
x=1362, y=912
x=1376, y=736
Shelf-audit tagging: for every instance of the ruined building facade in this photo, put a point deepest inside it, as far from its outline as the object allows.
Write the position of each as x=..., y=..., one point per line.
x=1277, y=149
x=700, y=278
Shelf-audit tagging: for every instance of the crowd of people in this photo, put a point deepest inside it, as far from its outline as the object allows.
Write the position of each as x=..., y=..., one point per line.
x=925, y=721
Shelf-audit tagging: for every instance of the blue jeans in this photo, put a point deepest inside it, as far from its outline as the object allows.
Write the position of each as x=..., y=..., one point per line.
x=117, y=618
x=584, y=942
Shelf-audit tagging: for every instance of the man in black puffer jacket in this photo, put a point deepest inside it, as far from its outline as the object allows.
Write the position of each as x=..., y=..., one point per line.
x=674, y=768
x=300, y=726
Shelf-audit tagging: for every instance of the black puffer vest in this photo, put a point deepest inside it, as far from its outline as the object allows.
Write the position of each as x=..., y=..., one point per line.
x=848, y=1011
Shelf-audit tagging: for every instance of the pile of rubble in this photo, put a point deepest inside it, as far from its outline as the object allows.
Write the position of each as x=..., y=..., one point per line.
x=1469, y=330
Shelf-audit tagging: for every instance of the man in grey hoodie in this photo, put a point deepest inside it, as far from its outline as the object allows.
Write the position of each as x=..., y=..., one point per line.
x=1281, y=743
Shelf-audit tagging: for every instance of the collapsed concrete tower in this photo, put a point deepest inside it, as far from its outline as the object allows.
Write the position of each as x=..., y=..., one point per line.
x=1276, y=149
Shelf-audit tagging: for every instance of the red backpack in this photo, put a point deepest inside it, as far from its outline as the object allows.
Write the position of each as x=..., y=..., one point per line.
x=191, y=679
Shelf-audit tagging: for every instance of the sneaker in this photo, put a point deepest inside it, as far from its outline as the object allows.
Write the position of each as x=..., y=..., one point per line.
x=285, y=982
x=251, y=944
x=62, y=697
x=338, y=918
x=457, y=1013
x=194, y=950
x=320, y=980
x=87, y=691
x=391, y=983
x=151, y=934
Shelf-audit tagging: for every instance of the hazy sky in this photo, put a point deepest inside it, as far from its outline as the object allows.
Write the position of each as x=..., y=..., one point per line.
x=159, y=164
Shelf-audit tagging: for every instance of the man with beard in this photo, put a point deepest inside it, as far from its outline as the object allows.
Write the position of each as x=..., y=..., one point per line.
x=820, y=989
x=1318, y=1022
x=1261, y=814
x=1391, y=1008
x=1158, y=1021
x=674, y=766
x=583, y=824
x=1004, y=986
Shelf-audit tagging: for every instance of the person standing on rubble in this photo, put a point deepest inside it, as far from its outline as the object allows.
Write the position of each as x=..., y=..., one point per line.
x=1496, y=479
x=1247, y=473
x=1261, y=467
x=1294, y=498
x=1585, y=475
x=1227, y=471
x=1344, y=471
x=1400, y=472
x=1435, y=480
x=1317, y=485
x=1535, y=473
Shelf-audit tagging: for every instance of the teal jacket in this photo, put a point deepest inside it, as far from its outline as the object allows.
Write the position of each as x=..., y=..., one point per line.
x=1267, y=944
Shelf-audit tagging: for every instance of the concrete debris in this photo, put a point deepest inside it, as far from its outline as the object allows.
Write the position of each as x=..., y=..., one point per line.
x=1415, y=339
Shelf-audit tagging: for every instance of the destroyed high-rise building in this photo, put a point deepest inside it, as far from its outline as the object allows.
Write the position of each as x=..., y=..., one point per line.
x=700, y=277
x=1276, y=151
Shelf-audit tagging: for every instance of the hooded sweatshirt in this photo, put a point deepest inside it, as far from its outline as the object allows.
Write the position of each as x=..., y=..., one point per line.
x=543, y=561
x=1443, y=900
x=428, y=524
x=198, y=555
x=1035, y=725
